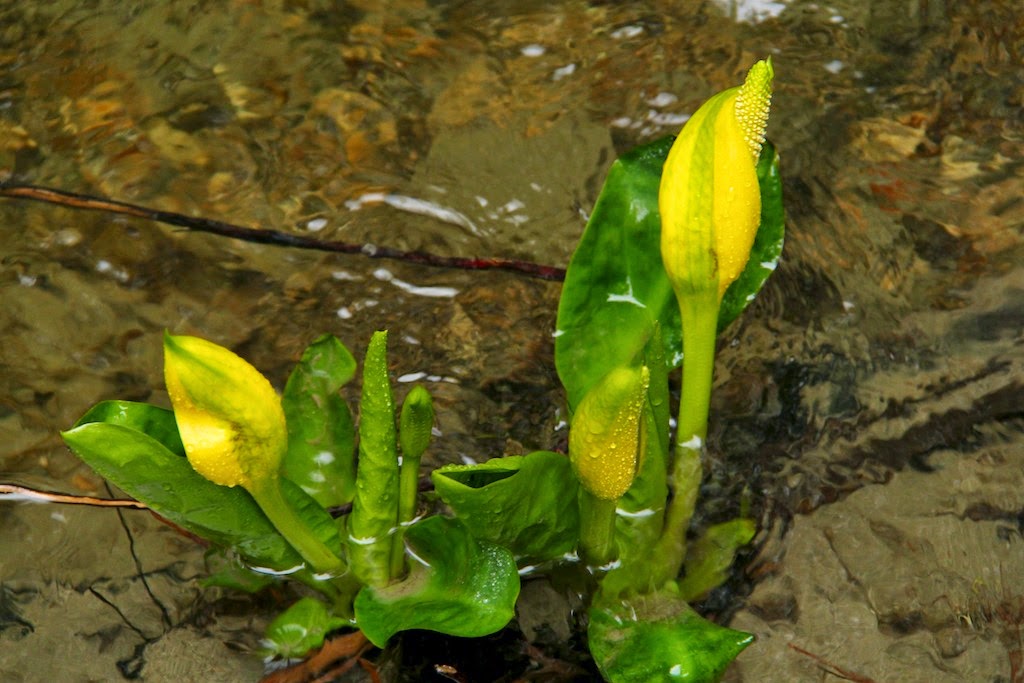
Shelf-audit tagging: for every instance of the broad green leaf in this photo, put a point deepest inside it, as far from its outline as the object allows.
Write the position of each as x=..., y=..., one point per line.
x=658, y=637
x=157, y=422
x=616, y=287
x=456, y=585
x=524, y=503
x=321, y=434
x=767, y=249
x=375, y=506
x=149, y=472
x=301, y=628
x=709, y=557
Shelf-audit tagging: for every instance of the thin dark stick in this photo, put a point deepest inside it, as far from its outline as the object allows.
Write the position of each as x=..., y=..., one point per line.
x=274, y=237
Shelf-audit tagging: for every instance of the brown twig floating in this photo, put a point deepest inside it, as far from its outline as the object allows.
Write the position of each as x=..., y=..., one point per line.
x=37, y=496
x=831, y=668
x=15, y=491
x=75, y=200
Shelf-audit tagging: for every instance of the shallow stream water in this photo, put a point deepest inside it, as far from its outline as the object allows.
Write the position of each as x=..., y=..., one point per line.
x=869, y=403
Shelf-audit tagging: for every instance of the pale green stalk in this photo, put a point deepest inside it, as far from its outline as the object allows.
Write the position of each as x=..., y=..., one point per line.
x=597, y=529
x=267, y=494
x=408, y=488
x=415, y=423
x=699, y=312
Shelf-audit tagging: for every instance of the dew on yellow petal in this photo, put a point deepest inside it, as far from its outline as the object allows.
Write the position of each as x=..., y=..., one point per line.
x=605, y=442
x=211, y=447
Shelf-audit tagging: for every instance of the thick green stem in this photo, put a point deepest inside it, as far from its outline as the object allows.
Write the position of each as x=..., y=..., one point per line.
x=597, y=529
x=319, y=557
x=342, y=594
x=699, y=314
x=408, y=489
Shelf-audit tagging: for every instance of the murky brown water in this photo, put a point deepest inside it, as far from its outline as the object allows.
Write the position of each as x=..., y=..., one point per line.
x=870, y=402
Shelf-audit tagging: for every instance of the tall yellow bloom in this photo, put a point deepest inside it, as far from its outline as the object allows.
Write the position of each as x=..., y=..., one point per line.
x=709, y=197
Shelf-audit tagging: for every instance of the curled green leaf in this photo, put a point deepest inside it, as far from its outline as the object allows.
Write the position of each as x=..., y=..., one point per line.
x=524, y=503
x=456, y=585
x=374, y=514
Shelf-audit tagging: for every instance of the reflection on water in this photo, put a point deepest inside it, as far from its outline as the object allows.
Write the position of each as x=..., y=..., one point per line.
x=868, y=404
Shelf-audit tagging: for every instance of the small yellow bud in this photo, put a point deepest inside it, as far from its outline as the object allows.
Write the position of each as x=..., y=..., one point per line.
x=229, y=416
x=709, y=198
x=606, y=441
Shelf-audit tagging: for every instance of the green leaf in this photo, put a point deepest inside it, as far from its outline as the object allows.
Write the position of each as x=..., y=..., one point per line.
x=157, y=422
x=708, y=559
x=149, y=472
x=658, y=637
x=524, y=503
x=321, y=434
x=375, y=506
x=616, y=288
x=456, y=585
x=767, y=249
x=301, y=628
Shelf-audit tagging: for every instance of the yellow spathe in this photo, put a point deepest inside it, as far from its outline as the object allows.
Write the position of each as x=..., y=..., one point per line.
x=606, y=440
x=229, y=417
x=709, y=197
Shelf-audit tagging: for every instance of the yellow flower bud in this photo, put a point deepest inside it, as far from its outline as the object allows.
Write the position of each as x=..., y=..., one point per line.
x=606, y=441
x=709, y=198
x=229, y=416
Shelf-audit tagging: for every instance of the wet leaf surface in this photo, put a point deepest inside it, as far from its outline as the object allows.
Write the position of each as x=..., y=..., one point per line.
x=456, y=585
x=658, y=637
x=166, y=482
x=524, y=503
x=321, y=434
